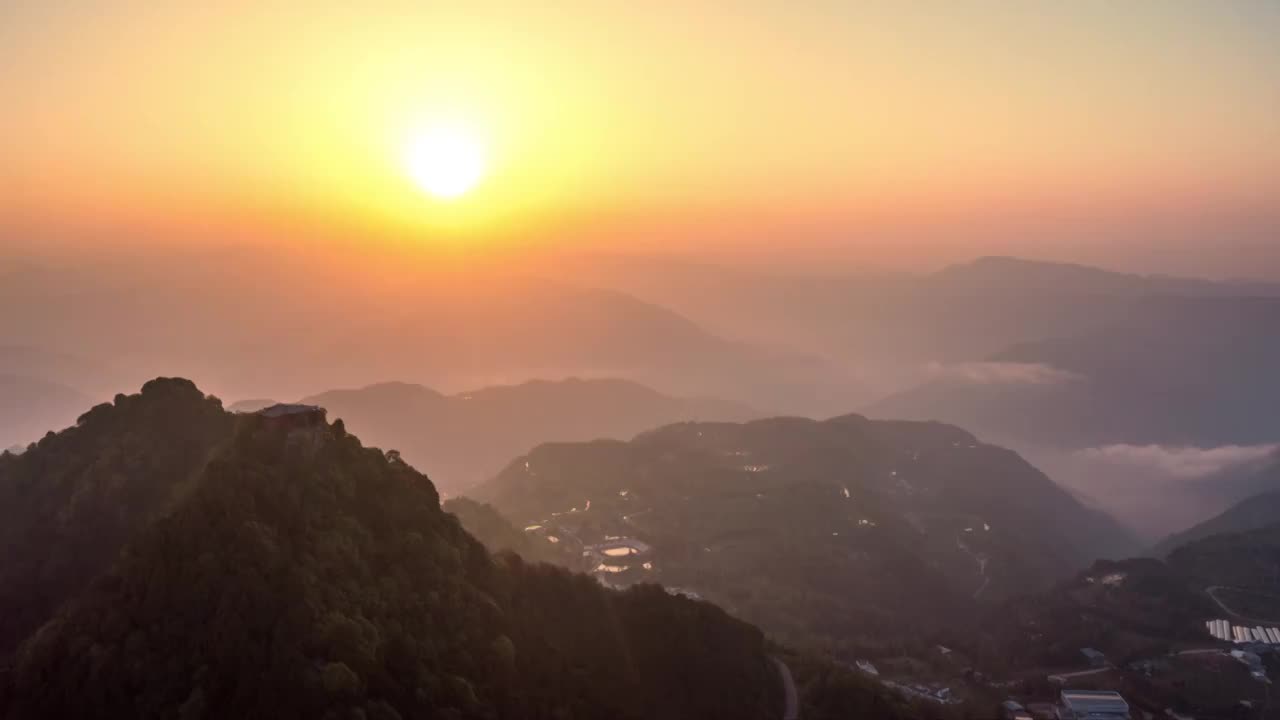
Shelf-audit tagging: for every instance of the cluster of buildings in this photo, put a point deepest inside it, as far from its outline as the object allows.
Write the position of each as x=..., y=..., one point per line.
x=1253, y=661
x=938, y=694
x=1225, y=631
x=1072, y=705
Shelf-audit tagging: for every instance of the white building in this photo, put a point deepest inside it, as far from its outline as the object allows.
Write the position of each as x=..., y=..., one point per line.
x=1093, y=705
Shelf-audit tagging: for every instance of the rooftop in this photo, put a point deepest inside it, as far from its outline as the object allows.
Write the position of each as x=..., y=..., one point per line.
x=283, y=409
x=1095, y=701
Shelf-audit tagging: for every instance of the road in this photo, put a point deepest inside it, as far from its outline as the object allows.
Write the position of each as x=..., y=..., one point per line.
x=1210, y=591
x=1063, y=677
x=791, y=709
x=982, y=566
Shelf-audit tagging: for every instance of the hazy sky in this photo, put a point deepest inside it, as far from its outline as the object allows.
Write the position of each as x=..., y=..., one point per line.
x=1088, y=130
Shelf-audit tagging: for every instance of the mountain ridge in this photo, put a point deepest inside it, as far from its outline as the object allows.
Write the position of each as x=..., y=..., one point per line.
x=940, y=519
x=285, y=570
x=468, y=436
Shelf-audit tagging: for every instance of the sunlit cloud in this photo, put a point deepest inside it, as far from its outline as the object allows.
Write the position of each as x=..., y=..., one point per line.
x=1180, y=461
x=1001, y=373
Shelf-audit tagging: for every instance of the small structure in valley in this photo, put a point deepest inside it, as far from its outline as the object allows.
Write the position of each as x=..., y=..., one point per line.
x=1096, y=659
x=1093, y=705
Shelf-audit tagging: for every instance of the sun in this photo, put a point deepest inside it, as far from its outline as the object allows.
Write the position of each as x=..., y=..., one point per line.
x=446, y=161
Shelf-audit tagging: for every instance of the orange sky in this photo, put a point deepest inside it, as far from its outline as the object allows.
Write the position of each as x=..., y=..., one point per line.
x=651, y=124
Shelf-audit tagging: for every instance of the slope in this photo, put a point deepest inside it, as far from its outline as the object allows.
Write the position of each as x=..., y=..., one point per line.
x=1178, y=371
x=468, y=437
x=1249, y=514
x=786, y=520
x=69, y=505
x=275, y=567
x=214, y=315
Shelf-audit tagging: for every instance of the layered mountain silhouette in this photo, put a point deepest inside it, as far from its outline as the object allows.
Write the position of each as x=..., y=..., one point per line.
x=165, y=558
x=892, y=327
x=838, y=529
x=1252, y=513
x=1185, y=372
x=468, y=437
x=446, y=327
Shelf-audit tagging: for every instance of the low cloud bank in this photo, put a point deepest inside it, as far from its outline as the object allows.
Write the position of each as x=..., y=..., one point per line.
x=1002, y=373
x=1180, y=461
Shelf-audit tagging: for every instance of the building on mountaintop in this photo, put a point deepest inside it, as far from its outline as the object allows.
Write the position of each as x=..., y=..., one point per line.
x=296, y=416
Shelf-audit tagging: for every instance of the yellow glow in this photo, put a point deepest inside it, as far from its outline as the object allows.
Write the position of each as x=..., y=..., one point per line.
x=446, y=161
x=621, y=122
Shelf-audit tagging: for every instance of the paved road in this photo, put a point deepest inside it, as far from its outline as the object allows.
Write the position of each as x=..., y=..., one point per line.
x=1210, y=591
x=791, y=710
x=1062, y=677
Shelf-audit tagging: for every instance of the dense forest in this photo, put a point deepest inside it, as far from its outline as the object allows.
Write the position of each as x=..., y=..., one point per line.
x=855, y=536
x=71, y=502
x=281, y=569
x=496, y=533
x=166, y=558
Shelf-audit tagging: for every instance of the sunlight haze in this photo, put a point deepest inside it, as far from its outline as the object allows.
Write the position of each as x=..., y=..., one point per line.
x=951, y=126
x=625, y=360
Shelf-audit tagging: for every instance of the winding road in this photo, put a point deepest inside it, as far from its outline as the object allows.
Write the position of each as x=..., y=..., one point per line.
x=791, y=710
x=982, y=566
x=1211, y=592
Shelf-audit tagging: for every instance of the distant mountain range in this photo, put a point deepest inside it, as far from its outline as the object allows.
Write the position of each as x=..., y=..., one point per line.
x=468, y=437
x=786, y=521
x=1063, y=363
x=30, y=407
x=892, y=328
x=1165, y=371
x=1181, y=371
x=1252, y=513
x=446, y=328
x=1000, y=273
x=166, y=558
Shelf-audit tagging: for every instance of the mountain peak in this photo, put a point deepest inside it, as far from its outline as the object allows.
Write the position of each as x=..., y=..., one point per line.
x=1004, y=272
x=169, y=558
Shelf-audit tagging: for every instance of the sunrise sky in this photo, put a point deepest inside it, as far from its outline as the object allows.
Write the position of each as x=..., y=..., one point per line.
x=959, y=125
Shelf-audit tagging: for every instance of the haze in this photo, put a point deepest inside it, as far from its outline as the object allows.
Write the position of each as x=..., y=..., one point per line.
x=1139, y=137
x=627, y=360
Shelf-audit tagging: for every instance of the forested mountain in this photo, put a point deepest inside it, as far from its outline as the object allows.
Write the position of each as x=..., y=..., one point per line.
x=1252, y=513
x=1144, y=607
x=1127, y=609
x=1247, y=562
x=183, y=561
x=70, y=505
x=486, y=524
x=830, y=532
x=468, y=437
